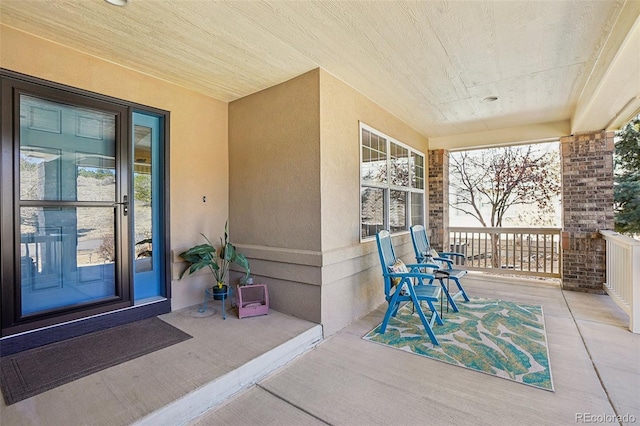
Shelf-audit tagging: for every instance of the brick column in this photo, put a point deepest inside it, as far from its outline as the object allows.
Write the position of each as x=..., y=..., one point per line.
x=438, y=208
x=587, y=207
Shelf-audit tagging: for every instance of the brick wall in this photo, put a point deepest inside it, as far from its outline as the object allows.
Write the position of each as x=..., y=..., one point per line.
x=438, y=207
x=587, y=207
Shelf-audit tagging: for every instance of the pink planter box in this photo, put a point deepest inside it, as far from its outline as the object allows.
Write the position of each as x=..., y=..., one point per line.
x=253, y=300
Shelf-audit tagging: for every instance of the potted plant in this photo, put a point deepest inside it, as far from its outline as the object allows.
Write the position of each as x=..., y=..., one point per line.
x=217, y=260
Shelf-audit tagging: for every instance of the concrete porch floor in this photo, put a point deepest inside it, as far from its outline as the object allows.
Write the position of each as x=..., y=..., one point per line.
x=595, y=362
x=345, y=380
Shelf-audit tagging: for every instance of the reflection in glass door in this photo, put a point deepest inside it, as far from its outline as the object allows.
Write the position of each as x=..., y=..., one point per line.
x=69, y=206
x=147, y=203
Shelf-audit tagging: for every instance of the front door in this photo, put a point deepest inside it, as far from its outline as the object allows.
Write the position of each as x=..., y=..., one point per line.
x=71, y=216
x=82, y=196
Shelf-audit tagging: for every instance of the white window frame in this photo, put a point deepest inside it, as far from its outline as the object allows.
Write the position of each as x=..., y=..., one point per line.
x=387, y=187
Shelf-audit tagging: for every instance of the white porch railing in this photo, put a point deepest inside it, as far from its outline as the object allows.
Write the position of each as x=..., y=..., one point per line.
x=520, y=251
x=623, y=275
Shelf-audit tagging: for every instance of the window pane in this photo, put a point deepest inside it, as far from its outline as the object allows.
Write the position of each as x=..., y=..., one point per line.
x=66, y=152
x=372, y=211
x=374, y=157
x=417, y=164
x=398, y=211
x=417, y=208
x=399, y=165
x=393, y=182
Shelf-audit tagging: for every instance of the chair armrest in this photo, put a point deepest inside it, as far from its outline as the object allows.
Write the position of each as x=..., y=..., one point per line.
x=452, y=254
x=421, y=268
x=449, y=262
x=404, y=275
x=418, y=266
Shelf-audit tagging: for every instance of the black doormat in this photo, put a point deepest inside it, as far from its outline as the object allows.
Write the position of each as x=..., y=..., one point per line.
x=31, y=372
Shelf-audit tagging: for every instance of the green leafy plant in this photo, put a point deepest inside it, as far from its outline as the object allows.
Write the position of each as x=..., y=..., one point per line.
x=217, y=260
x=627, y=179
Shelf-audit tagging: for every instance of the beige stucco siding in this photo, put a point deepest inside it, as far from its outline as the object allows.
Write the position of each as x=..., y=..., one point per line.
x=295, y=191
x=352, y=284
x=274, y=139
x=198, y=136
x=274, y=153
x=342, y=108
x=282, y=164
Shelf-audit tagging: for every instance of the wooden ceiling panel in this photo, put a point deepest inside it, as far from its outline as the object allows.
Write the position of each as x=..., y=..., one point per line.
x=429, y=62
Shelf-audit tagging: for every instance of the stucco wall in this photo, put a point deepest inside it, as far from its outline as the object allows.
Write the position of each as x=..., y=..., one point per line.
x=198, y=138
x=286, y=174
x=342, y=108
x=274, y=139
x=352, y=281
x=294, y=196
x=274, y=155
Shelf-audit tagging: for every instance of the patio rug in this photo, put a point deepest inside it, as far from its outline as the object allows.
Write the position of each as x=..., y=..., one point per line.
x=37, y=370
x=496, y=337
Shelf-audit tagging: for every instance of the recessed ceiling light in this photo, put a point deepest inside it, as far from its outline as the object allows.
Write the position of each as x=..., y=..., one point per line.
x=118, y=2
x=490, y=99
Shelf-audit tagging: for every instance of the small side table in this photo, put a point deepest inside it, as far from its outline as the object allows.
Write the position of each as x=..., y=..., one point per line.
x=441, y=276
x=209, y=294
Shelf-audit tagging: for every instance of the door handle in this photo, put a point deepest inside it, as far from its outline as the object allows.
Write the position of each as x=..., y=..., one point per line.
x=124, y=204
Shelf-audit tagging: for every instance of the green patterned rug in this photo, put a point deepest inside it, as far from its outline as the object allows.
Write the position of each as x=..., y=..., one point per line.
x=496, y=337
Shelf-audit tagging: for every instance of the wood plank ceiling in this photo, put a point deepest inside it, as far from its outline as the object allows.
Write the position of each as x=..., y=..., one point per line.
x=431, y=63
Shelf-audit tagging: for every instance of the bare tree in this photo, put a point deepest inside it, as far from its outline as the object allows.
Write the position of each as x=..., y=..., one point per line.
x=485, y=184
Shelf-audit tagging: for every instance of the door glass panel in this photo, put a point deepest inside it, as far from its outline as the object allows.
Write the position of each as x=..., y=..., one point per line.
x=67, y=195
x=147, y=203
x=66, y=152
x=67, y=256
x=143, y=193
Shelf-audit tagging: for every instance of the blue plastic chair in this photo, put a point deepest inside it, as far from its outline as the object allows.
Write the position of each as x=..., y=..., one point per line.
x=443, y=264
x=416, y=293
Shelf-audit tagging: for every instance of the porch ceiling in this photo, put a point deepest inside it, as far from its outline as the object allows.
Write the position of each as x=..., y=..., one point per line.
x=431, y=63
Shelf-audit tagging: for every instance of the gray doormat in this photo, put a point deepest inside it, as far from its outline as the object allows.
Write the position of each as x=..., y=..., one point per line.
x=37, y=370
